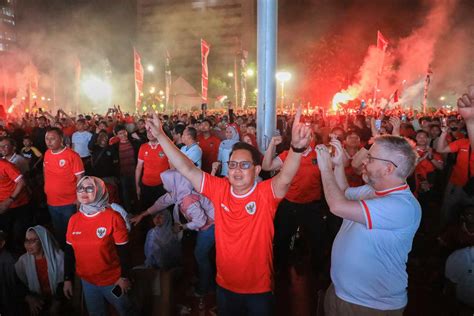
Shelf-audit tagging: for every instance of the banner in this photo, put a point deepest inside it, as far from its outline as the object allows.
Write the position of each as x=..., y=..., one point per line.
x=243, y=78
x=138, y=78
x=77, y=82
x=382, y=42
x=167, y=78
x=205, y=48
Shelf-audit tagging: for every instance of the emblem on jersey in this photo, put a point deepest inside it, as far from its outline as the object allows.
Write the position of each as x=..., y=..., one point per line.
x=101, y=231
x=225, y=207
x=314, y=161
x=161, y=154
x=146, y=153
x=62, y=162
x=251, y=207
x=211, y=145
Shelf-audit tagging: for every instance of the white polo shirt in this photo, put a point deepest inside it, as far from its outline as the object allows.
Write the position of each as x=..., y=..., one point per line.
x=460, y=270
x=193, y=152
x=80, y=142
x=368, y=262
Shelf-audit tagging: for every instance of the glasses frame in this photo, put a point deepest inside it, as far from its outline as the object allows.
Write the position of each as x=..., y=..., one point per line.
x=85, y=189
x=240, y=164
x=370, y=158
x=30, y=241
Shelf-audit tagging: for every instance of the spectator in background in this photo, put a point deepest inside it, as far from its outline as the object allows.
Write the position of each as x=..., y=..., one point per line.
x=152, y=162
x=177, y=134
x=225, y=148
x=63, y=168
x=8, y=151
x=33, y=155
x=80, y=141
x=39, y=133
x=41, y=270
x=209, y=144
x=9, y=304
x=191, y=148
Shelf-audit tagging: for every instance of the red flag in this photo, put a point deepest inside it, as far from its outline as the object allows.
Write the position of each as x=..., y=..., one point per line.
x=205, y=48
x=395, y=96
x=138, y=78
x=382, y=42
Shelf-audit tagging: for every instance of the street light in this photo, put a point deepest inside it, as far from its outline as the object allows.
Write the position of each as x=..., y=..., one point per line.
x=282, y=77
x=230, y=74
x=152, y=90
x=150, y=68
x=250, y=72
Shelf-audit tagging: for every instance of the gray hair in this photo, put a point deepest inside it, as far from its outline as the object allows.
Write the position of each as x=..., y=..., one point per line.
x=401, y=151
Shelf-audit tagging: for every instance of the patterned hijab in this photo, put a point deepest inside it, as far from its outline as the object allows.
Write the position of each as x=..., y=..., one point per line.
x=101, y=200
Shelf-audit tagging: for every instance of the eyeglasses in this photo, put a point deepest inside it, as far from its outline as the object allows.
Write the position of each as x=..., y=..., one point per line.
x=31, y=241
x=244, y=165
x=370, y=158
x=88, y=189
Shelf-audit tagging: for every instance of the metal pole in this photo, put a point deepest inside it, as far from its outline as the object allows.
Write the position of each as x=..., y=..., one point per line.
x=236, y=84
x=282, y=95
x=267, y=18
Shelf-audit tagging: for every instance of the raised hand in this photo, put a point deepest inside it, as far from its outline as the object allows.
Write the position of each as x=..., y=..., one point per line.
x=276, y=140
x=466, y=104
x=338, y=158
x=324, y=158
x=154, y=126
x=300, y=132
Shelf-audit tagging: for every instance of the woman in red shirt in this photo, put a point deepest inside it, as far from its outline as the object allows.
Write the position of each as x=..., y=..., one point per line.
x=97, y=240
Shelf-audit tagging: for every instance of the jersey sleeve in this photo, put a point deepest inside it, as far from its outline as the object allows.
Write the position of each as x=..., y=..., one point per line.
x=119, y=233
x=210, y=185
x=12, y=172
x=456, y=145
x=70, y=226
x=77, y=165
x=389, y=213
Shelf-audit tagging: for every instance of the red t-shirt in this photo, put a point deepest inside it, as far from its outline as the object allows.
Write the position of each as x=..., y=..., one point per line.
x=306, y=185
x=210, y=150
x=93, y=239
x=43, y=278
x=244, y=234
x=69, y=130
x=9, y=176
x=60, y=171
x=154, y=163
x=459, y=173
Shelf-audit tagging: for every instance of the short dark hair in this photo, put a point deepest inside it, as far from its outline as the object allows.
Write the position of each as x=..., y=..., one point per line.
x=208, y=121
x=119, y=127
x=253, y=151
x=192, y=132
x=179, y=129
x=81, y=120
x=56, y=130
x=9, y=139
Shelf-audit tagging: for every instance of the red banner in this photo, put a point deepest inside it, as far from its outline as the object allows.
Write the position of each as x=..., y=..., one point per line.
x=382, y=42
x=138, y=78
x=205, y=48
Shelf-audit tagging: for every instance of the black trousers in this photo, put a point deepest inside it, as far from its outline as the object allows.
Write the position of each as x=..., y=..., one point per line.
x=309, y=218
x=15, y=222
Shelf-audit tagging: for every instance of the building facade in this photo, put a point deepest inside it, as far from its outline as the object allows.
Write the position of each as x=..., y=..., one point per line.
x=7, y=25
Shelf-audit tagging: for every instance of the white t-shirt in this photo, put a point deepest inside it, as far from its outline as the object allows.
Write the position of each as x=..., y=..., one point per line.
x=368, y=262
x=460, y=270
x=80, y=141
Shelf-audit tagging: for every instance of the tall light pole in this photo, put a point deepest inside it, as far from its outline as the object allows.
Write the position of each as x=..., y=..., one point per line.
x=282, y=77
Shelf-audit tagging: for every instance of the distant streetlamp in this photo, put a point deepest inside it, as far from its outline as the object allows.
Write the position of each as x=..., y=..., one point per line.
x=150, y=68
x=250, y=72
x=282, y=77
x=230, y=74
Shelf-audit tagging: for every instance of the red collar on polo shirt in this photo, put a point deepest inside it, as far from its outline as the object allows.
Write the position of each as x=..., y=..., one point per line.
x=388, y=191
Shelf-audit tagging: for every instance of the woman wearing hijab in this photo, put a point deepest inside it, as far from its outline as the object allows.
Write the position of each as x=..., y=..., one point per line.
x=97, y=247
x=41, y=270
x=199, y=213
x=225, y=148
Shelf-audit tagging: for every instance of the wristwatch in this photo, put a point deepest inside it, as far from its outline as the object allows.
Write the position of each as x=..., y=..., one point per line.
x=298, y=150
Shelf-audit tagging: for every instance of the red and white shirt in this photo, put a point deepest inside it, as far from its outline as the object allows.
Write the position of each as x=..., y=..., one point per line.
x=459, y=173
x=9, y=176
x=94, y=239
x=244, y=234
x=60, y=171
x=154, y=163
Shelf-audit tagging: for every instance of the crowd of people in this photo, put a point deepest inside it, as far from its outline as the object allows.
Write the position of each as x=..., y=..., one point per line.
x=357, y=186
